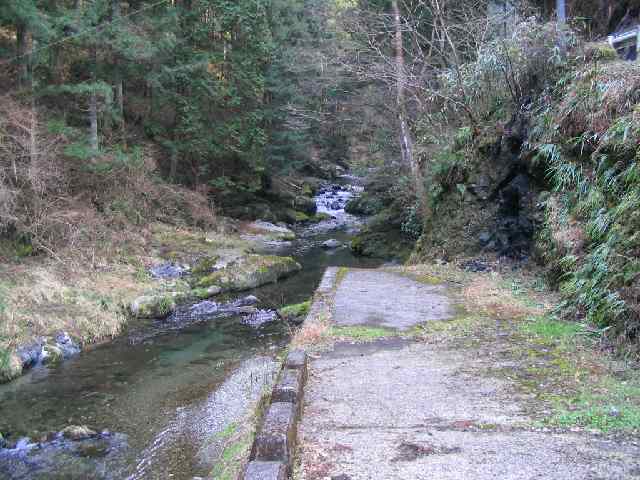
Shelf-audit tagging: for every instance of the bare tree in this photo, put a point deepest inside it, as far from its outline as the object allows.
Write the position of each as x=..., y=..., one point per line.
x=561, y=12
x=406, y=140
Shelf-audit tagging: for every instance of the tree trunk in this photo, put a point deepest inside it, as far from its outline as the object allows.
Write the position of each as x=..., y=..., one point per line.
x=22, y=53
x=406, y=140
x=93, y=106
x=561, y=12
x=119, y=83
x=33, y=130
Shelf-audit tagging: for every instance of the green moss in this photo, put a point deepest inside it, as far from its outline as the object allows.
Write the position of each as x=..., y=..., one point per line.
x=232, y=458
x=429, y=279
x=361, y=332
x=228, y=431
x=357, y=245
x=342, y=272
x=320, y=217
x=307, y=190
x=301, y=217
x=295, y=311
x=157, y=305
x=205, y=265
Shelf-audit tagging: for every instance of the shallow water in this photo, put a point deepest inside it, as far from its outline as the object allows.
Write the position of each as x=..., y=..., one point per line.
x=172, y=393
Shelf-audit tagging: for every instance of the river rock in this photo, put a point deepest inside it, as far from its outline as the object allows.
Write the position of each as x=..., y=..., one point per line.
x=484, y=238
x=331, y=244
x=260, y=318
x=250, y=272
x=63, y=458
x=168, y=270
x=245, y=301
x=65, y=343
x=31, y=354
x=78, y=432
x=205, y=308
x=270, y=231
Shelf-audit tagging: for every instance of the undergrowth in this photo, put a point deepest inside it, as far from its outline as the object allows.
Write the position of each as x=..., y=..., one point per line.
x=588, y=139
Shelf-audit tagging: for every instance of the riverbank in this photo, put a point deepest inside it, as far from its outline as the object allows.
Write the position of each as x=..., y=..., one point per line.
x=47, y=304
x=461, y=384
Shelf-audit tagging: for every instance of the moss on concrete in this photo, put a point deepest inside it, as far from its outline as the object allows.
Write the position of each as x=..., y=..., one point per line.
x=362, y=333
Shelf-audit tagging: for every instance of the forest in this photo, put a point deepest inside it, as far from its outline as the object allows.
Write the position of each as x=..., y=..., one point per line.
x=159, y=156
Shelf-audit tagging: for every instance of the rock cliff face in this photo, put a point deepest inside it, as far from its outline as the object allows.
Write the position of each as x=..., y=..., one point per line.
x=490, y=204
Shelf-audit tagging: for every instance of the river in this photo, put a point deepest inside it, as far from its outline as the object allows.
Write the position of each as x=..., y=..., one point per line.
x=163, y=403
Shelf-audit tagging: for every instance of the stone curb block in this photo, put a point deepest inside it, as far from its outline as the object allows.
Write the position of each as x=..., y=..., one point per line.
x=289, y=388
x=277, y=437
x=274, y=446
x=265, y=471
x=296, y=360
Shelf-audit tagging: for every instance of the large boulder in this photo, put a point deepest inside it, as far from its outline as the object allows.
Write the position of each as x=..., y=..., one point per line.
x=331, y=244
x=269, y=231
x=250, y=272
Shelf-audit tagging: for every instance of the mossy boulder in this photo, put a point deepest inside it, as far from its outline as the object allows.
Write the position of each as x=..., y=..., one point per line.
x=154, y=306
x=295, y=313
x=10, y=366
x=293, y=216
x=269, y=231
x=250, y=272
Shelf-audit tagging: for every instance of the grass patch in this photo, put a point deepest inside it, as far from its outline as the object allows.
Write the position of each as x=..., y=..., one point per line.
x=232, y=458
x=549, y=328
x=228, y=431
x=605, y=418
x=361, y=332
x=341, y=273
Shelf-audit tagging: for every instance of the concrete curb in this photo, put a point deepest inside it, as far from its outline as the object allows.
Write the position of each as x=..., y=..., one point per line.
x=274, y=447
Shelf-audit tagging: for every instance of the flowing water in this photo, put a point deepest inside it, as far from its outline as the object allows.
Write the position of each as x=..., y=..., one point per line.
x=169, y=398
